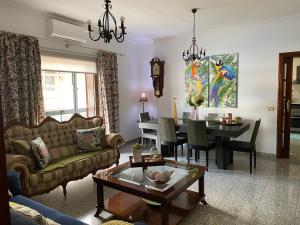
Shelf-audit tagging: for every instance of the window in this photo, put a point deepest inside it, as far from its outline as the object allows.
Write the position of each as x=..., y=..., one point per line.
x=68, y=92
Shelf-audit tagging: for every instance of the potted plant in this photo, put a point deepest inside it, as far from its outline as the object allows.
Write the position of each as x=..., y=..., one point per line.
x=137, y=150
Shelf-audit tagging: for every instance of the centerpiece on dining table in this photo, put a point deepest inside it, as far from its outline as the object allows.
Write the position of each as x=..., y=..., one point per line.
x=195, y=101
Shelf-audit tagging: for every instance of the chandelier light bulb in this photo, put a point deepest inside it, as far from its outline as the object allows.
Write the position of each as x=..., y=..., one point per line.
x=122, y=18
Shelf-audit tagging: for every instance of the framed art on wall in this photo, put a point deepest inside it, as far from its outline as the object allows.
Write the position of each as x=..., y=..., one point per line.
x=215, y=78
x=223, y=74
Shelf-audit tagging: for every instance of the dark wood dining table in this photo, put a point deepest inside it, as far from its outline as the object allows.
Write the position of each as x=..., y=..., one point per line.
x=221, y=132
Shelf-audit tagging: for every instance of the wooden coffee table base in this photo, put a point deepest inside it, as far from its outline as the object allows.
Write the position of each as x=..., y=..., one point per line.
x=132, y=208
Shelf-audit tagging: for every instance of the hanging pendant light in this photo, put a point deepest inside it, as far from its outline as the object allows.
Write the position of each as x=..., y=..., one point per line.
x=194, y=52
x=104, y=30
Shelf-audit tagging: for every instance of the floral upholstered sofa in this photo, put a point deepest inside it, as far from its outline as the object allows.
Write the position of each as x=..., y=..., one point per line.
x=68, y=163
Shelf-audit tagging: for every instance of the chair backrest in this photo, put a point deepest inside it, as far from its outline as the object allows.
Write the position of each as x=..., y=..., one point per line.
x=186, y=115
x=144, y=116
x=197, y=133
x=255, y=132
x=167, y=130
x=213, y=116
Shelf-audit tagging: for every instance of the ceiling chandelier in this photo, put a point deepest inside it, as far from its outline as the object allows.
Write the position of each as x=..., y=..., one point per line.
x=194, y=52
x=104, y=29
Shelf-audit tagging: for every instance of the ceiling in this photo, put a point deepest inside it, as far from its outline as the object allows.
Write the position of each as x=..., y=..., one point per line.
x=149, y=19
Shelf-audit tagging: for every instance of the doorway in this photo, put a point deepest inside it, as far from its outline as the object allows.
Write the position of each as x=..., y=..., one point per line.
x=288, y=109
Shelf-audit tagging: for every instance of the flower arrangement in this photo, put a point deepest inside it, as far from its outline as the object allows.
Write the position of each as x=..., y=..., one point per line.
x=195, y=100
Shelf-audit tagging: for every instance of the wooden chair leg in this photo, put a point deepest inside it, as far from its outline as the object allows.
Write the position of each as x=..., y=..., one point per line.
x=250, y=160
x=207, y=157
x=254, y=158
x=175, y=152
x=196, y=156
x=188, y=153
x=182, y=150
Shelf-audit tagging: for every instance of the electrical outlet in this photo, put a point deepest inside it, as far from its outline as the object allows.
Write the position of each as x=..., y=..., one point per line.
x=271, y=108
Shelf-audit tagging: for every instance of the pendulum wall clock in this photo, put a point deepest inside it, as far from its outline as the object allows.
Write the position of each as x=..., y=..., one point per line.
x=157, y=74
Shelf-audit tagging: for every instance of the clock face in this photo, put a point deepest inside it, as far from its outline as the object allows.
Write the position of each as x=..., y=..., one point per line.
x=155, y=69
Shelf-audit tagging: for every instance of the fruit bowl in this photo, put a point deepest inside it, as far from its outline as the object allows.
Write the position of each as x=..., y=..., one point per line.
x=159, y=176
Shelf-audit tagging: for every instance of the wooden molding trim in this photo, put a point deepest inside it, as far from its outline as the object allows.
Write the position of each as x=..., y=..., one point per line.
x=50, y=119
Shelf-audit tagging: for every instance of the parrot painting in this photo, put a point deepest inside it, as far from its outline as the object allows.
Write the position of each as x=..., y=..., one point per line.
x=224, y=73
x=196, y=79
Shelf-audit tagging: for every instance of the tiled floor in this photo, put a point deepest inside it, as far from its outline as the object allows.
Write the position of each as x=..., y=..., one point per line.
x=271, y=195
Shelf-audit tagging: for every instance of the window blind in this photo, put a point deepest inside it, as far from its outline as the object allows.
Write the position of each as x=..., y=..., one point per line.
x=69, y=64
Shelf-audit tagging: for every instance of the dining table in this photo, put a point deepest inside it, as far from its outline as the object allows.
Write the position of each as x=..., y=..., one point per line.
x=221, y=132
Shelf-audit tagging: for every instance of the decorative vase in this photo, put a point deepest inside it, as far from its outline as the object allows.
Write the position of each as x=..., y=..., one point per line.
x=137, y=156
x=195, y=114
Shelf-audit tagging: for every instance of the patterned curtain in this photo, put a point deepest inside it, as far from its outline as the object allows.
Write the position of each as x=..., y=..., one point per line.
x=20, y=79
x=107, y=92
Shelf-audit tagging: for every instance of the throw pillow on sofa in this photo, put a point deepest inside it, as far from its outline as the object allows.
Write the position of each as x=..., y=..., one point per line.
x=22, y=147
x=31, y=213
x=41, y=152
x=90, y=139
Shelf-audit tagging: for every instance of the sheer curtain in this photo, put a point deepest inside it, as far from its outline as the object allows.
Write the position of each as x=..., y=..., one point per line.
x=20, y=79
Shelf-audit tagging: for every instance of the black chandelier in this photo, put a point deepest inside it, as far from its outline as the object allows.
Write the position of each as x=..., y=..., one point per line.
x=194, y=52
x=105, y=31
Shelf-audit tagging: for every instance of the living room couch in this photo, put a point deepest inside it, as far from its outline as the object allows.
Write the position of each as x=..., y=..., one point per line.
x=61, y=140
x=53, y=214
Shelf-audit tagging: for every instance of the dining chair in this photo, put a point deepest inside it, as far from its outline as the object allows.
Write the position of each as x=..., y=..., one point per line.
x=147, y=133
x=198, y=139
x=185, y=117
x=168, y=135
x=243, y=146
x=212, y=116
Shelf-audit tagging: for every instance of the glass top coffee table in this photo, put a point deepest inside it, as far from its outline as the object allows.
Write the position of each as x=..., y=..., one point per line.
x=138, y=195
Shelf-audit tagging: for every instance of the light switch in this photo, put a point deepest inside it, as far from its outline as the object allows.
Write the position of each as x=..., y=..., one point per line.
x=271, y=108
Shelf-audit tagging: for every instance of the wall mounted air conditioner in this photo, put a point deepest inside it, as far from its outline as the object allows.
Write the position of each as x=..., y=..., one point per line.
x=66, y=31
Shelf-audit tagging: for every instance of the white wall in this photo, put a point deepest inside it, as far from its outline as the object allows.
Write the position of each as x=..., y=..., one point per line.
x=258, y=46
x=131, y=64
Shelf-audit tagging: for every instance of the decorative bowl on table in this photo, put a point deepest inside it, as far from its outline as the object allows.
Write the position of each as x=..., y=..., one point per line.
x=159, y=176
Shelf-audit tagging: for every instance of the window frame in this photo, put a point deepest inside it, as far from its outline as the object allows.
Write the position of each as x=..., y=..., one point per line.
x=75, y=95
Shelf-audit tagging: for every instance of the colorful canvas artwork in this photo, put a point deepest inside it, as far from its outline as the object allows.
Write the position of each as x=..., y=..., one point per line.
x=216, y=80
x=223, y=71
x=196, y=81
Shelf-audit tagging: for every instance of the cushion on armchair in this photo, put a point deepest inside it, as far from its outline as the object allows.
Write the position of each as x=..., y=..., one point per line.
x=31, y=213
x=17, y=218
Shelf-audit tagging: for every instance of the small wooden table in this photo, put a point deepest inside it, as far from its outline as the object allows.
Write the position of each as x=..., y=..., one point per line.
x=128, y=204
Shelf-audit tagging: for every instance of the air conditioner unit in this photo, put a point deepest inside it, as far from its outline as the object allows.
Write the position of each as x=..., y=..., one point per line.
x=66, y=31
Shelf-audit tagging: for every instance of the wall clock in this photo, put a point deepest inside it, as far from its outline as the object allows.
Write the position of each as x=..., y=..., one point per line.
x=157, y=74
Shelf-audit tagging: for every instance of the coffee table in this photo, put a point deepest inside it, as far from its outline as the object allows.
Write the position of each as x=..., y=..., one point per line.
x=174, y=200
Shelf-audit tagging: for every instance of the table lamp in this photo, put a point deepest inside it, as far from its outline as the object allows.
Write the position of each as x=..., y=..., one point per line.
x=143, y=99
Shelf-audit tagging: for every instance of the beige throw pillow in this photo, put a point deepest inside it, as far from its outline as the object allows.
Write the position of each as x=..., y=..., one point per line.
x=39, y=218
x=41, y=152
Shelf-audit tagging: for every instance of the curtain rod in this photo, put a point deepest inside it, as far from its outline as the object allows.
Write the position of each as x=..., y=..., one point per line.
x=68, y=44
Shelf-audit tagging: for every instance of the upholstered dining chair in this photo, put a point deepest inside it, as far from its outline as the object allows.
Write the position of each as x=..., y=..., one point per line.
x=168, y=135
x=243, y=146
x=198, y=139
x=147, y=133
x=185, y=117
